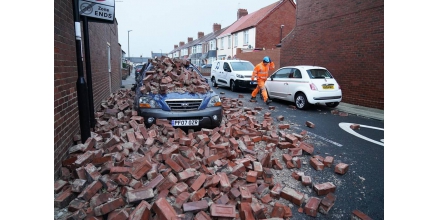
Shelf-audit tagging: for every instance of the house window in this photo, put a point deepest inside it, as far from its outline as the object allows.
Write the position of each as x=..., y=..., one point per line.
x=246, y=37
x=229, y=41
x=211, y=45
x=222, y=43
x=235, y=40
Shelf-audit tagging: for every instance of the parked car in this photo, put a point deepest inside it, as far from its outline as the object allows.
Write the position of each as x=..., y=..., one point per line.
x=183, y=109
x=234, y=74
x=304, y=85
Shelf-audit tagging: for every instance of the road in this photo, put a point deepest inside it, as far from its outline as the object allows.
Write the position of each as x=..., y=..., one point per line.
x=362, y=187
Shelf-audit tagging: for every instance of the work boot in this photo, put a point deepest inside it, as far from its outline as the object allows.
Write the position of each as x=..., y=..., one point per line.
x=268, y=101
x=253, y=98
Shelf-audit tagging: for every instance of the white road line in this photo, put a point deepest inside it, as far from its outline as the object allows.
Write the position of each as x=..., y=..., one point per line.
x=346, y=127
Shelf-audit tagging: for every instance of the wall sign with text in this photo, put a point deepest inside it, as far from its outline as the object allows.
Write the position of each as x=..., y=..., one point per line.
x=100, y=9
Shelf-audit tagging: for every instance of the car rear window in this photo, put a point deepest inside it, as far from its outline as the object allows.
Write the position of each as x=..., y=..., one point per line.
x=242, y=66
x=319, y=74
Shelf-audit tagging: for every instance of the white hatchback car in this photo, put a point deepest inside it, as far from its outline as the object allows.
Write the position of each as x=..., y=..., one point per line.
x=304, y=85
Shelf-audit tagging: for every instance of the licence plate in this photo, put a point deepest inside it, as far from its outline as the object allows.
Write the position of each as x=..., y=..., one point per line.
x=328, y=86
x=185, y=122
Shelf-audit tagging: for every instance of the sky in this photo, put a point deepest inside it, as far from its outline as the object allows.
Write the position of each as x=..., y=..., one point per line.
x=159, y=25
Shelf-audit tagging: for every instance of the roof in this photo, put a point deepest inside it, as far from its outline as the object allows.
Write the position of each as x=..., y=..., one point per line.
x=236, y=24
x=257, y=16
x=205, y=38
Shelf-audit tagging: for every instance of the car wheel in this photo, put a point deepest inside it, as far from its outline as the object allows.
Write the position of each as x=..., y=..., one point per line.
x=301, y=101
x=233, y=86
x=214, y=83
x=332, y=104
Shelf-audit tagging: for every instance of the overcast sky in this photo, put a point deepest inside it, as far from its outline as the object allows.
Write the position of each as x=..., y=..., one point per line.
x=162, y=24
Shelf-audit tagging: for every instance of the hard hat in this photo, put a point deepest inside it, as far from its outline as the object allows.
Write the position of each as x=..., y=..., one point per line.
x=266, y=59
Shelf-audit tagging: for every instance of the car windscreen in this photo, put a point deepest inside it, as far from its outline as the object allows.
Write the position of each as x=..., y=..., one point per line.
x=319, y=74
x=242, y=66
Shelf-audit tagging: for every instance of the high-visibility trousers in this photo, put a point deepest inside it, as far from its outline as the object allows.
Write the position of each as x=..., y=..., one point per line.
x=263, y=89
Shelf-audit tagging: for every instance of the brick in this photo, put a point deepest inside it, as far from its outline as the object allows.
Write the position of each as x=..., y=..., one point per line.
x=176, y=167
x=246, y=196
x=213, y=192
x=64, y=198
x=306, y=181
x=140, y=167
x=283, y=126
x=181, y=199
x=292, y=195
x=311, y=207
x=84, y=159
x=276, y=190
x=198, y=183
x=179, y=188
x=139, y=194
x=296, y=162
x=310, y=124
x=327, y=203
x=167, y=183
x=328, y=161
x=358, y=215
x=316, y=164
x=121, y=180
x=58, y=185
x=297, y=175
x=245, y=211
x=197, y=206
x=277, y=211
x=251, y=176
x=202, y=216
x=156, y=181
x=257, y=168
x=118, y=169
x=99, y=199
x=307, y=148
x=186, y=174
x=287, y=212
x=344, y=114
x=218, y=210
x=266, y=199
x=108, y=207
x=277, y=165
x=225, y=185
x=341, y=168
x=252, y=187
x=355, y=126
x=198, y=195
x=76, y=205
x=79, y=185
x=120, y=214
x=164, y=210
x=324, y=188
x=163, y=193
x=90, y=190
x=80, y=214
x=295, y=152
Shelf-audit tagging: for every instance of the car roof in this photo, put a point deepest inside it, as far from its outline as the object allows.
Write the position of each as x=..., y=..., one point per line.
x=304, y=67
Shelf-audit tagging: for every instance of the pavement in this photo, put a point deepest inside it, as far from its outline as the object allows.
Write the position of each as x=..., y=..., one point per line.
x=358, y=110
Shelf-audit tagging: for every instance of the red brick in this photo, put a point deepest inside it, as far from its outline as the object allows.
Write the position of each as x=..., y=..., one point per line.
x=202, y=216
x=277, y=165
x=186, y=174
x=324, y=188
x=163, y=193
x=118, y=169
x=76, y=205
x=176, y=167
x=292, y=195
x=307, y=147
x=214, y=192
x=316, y=164
x=218, y=210
x=179, y=188
x=284, y=145
x=258, y=168
x=358, y=215
x=198, y=195
x=283, y=126
x=277, y=211
x=121, y=180
x=234, y=193
x=276, y=190
x=164, y=210
x=251, y=176
x=90, y=190
x=181, y=199
x=343, y=114
x=197, y=206
x=139, y=194
x=327, y=203
x=246, y=211
x=246, y=196
x=328, y=161
x=99, y=199
x=311, y=207
x=141, y=212
x=310, y=124
x=84, y=159
x=120, y=214
x=108, y=207
x=306, y=181
x=198, y=183
x=341, y=168
x=64, y=198
x=140, y=167
x=225, y=186
x=58, y=185
x=355, y=126
x=79, y=185
x=287, y=212
x=266, y=199
x=295, y=152
x=80, y=214
x=156, y=181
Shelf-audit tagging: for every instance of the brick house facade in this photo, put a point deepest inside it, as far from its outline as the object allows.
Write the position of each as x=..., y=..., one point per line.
x=102, y=37
x=346, y=37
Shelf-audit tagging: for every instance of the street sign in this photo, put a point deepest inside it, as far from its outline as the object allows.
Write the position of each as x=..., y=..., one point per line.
x=98, y=9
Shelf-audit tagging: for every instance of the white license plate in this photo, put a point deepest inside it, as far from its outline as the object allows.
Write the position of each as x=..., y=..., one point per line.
x=185, y=122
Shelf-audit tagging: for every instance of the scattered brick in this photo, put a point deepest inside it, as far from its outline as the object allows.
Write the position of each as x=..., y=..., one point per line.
x=358, y=215
x=311, y=206
x=108, y=207
x=324, y=188
x=341, y=168
x=164, y=210
x=292, y=195
x=328, y=161
x=343, y=114
x=218, y=210
x=64, y=198
x=355, y=126
x=310, y=124
x=197, y=206
x=327, y=203
x=306, y=181
x=139, y=194
x=316, y=164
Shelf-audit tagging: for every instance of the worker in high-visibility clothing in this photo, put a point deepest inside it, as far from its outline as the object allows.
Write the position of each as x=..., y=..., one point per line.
x=261, y=72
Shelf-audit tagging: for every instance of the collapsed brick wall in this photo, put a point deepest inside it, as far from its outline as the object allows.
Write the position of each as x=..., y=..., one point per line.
x=346, y=37
x=256, y=56
x=66, y=116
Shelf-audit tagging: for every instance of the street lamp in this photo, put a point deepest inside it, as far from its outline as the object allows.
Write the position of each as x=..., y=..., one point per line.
x=129, y=64
x=160, y=52
x=281, y=35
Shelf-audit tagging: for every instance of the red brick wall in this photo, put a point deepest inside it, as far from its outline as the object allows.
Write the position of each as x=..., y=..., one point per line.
x=269, y=30
x=66, y=116
x=256, y=57
x=346, y=37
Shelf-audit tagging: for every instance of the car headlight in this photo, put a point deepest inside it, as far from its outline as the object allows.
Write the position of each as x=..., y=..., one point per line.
x=239, y=76
x=146, y=102
x=214, y=101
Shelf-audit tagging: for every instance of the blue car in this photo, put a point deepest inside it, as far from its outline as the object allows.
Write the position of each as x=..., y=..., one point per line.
x=186, y=105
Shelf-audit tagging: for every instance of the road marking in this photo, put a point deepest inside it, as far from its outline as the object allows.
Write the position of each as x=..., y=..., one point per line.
x=325, y=139
x=346, y=127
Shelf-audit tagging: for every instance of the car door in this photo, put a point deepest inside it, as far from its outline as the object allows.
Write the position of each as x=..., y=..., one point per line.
x=228, y=72
x=277, y=84
x=294, y=83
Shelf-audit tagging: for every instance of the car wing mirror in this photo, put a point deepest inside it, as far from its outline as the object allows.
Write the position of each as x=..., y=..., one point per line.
x=271, y=78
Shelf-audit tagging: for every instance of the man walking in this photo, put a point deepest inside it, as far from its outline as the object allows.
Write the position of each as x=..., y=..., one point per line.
x=261, y=72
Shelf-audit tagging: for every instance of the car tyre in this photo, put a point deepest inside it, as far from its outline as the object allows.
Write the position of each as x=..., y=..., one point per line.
x=234, y=88
x=214, y=83
x=332, y=104
x=301, y=101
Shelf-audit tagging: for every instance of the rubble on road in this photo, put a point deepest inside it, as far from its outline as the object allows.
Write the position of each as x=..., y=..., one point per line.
x=127, y=171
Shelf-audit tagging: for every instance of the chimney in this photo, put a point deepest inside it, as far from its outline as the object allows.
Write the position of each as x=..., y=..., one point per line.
x=181, y=43
x=175, y=46
x=216, y=27
x=241, y=12
x=190, y=39
x=200, y=35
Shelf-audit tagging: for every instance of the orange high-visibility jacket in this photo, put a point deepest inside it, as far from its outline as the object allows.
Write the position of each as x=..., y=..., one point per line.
x=261, y=72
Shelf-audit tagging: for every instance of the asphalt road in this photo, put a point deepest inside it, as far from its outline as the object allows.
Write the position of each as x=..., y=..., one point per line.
x=362, y=187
